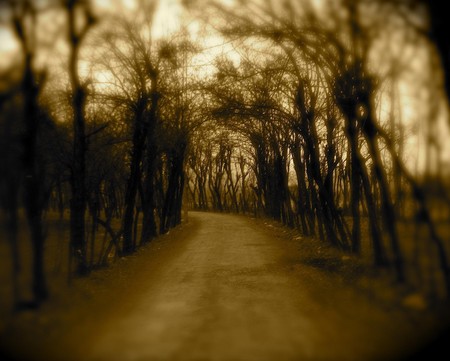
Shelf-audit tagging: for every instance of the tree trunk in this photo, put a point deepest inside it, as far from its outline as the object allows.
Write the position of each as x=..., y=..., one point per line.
x=78, y=176
x=149, y=230
x=171, y=214
x=388, y=214
x=134, y=178
x=33, y=185
x=78, y=179
x=301, y=188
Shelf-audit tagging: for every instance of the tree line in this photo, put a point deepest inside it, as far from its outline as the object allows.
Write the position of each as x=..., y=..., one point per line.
x=108, y=152
x=306, y=128
x=320, y=155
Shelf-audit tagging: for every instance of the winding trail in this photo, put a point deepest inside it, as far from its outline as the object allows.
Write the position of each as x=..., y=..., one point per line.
x=231, y=291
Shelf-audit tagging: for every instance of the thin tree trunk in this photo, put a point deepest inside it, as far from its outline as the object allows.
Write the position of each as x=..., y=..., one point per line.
x=134, y=178
x=171, y=214
x=388, y=214
x=301, y=188
x=355, y=171
x=33, y=191
x=78, y=176
x=380, y=258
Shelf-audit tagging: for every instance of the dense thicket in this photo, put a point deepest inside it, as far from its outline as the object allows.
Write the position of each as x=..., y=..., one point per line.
x=307, y=120
x=108, y=150
x=316, y=96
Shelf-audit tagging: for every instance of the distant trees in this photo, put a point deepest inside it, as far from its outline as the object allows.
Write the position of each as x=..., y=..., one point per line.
x=218, y=172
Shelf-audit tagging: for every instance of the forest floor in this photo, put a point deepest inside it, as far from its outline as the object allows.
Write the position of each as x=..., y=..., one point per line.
x=231, y=288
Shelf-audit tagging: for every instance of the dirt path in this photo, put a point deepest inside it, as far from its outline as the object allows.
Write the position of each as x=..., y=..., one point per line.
x=228, y=291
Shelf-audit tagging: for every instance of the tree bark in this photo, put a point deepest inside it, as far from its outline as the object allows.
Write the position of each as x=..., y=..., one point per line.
x=134, y=178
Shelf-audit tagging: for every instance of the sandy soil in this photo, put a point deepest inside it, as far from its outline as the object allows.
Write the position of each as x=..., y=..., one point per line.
x=231, y=288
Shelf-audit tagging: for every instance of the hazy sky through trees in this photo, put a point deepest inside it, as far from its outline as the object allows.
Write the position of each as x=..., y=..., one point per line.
x=410, y=65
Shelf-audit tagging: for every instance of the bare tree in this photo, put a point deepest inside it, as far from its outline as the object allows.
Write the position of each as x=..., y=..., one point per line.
x=76, y=34
x=23, y=17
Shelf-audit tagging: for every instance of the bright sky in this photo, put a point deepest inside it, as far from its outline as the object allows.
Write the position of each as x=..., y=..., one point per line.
x=167, y=18
x=8, y=46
